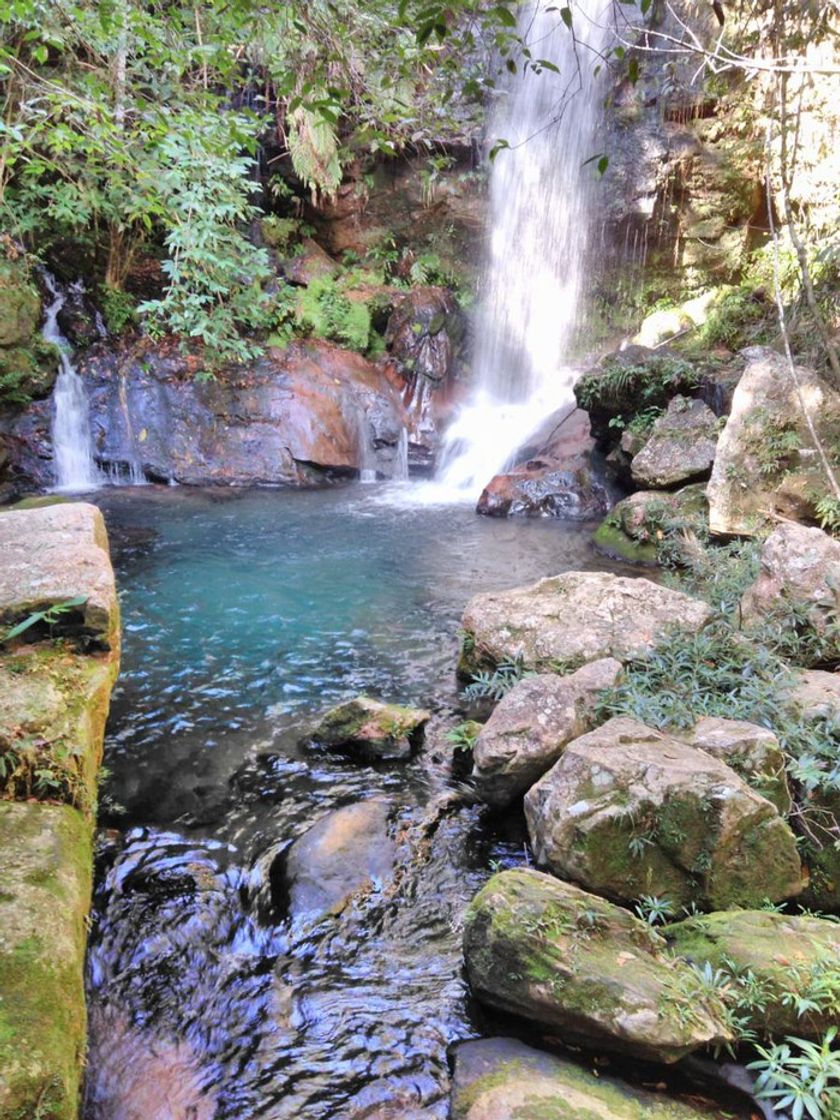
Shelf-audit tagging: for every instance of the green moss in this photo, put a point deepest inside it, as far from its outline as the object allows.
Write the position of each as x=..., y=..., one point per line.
x=46, y=882
x=325, y=311
x=611, y=539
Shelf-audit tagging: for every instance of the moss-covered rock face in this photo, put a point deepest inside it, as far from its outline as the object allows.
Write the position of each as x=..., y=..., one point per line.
x=794, y=964
x=20, y=304
x=503, y=1079
x=573, y=618
x=568, y=960
x=641, y=527
x=367, y=728
x=45, y=883
x=629, y=811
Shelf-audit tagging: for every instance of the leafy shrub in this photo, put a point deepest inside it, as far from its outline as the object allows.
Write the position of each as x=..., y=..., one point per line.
x=325, y=311
x=118, y=309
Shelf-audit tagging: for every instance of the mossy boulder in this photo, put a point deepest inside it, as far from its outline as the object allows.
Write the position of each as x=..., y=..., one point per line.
x=817, y=693
x=531, y=725
x=786, y=968
x=680, y=448
x=640, y=528
x=503, y=1079
x=630, y=811
x=45, y=885
x=572, y=619
x=27, y=372
x=766, y=464
x=569, y=961
x=368, y=729
x=20, y=304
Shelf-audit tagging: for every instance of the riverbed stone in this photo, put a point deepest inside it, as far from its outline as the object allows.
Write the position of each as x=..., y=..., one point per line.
x=680, y=448
x=766, y=464
x=52, y=555
x=45, y=885
x=530, y=726
x=630, y=811
x=753, y=752
x=800, y=567
x=368, y=729
x=504, y=1079
x=569, y=961
x=573, y=618
x=346, y=853
x=790, y=956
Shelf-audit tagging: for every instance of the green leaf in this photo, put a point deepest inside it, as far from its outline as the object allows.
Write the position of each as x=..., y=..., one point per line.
x=566, y=16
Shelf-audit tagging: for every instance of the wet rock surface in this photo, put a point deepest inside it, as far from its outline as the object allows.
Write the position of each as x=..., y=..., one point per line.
x=530, y=726
x=565, y=959
x=629, y=811
x=367, y=729
x=574, y=618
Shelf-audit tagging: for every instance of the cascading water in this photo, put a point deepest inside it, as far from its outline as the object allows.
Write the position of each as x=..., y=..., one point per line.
x=542, y=197
x=75, y=468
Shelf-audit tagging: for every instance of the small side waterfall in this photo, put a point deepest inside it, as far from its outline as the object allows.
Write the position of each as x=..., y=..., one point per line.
x=542, y=194
x=75, y=468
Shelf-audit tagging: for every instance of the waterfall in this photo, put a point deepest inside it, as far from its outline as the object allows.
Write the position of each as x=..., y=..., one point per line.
x=75, y=468
x=542, y=197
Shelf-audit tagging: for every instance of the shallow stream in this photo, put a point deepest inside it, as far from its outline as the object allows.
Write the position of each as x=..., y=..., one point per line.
x=244, y=615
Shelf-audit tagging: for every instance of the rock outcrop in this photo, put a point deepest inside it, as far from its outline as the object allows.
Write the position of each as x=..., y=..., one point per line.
x=766, y=464
x=531, y=725
x=572, y=619
x=680, y=448
x=635, y=527
x=567, y=960
x=629, y=811
x=800, y=567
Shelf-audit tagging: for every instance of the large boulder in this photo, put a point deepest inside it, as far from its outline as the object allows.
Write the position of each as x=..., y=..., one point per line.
x=573, y=618
x=681, y=446
x=368, y=729
x=531, y=725
x=45, y=884
x=20, y=304
x=569, y=961
x=284, y=419
x=794, y=962
x=346, y=853
x=766, y=464
x=629, y=811
x=52, y=556
x=753, y=752
x=502, y=1078
x=800, y=567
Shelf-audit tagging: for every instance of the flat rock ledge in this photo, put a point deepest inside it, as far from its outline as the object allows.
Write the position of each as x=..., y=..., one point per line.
x=571, y=619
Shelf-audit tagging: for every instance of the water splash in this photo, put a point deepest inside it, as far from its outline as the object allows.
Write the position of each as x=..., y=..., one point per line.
x=75, y=468
x=543, y=194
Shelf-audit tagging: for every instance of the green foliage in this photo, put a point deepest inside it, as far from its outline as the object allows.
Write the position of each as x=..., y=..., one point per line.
x=324, y=310
x=463, y=736
x=774, y=442
x=496, y=684
x=743, y=316
x=828, y=513
x=119, y=309
x=801, y=1078
x=654, y=910
x=625, y=391
x=50, y=616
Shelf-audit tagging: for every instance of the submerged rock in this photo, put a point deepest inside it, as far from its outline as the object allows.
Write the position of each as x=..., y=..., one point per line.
x=567, y=960
x=368, y=729
x=346, y=853
x=502, y=1079
x=531, y=725
x=800, y=567
x=681, y=446
x=766, y=464
x=629, y=811
x=572, y=619
x=794, y=962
